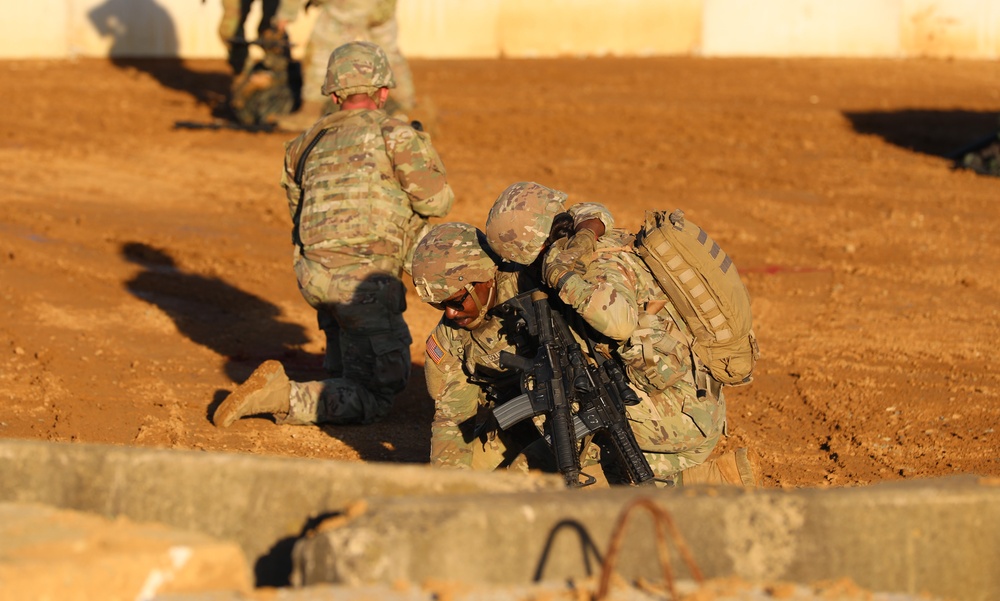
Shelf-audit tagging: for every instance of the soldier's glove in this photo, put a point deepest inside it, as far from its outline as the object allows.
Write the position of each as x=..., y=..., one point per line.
x=568, y=257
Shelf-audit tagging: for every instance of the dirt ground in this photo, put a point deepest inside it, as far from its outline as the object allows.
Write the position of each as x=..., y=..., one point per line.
x=145, y=270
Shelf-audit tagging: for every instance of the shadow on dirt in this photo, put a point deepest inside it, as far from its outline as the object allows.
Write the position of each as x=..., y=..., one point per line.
x=242, y=327
x=134, y=26
x=209, y=88
x=403, y=436
x=938, y=133
x=248, y=330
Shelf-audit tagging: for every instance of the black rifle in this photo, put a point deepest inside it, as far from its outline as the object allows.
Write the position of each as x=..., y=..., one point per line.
x=560, y=378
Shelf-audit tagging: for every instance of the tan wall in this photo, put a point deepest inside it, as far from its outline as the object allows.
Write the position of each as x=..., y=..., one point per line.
x=810, y=27
x=959, y=28
x=539, y=28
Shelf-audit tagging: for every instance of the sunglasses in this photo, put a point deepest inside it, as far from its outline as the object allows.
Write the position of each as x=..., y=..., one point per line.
x=457, y=304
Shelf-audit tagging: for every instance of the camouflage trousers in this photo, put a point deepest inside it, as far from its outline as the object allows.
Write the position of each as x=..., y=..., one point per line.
x=360, y=309
x=678, y=428
x=232, y=25
x=342, y=22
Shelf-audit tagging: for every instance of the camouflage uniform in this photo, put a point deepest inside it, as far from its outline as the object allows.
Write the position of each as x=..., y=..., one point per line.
x=367, y=188
x=342, y=21
x=465, y=379
x=681, y=414
x=461, y=366
x=234, y=16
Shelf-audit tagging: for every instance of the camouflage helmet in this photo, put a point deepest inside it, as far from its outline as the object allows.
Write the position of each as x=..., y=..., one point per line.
x=448, y=258
x=357, y=68
x=520, y=220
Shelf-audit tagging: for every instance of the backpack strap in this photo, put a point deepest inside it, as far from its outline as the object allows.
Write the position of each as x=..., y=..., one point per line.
x=300, y=166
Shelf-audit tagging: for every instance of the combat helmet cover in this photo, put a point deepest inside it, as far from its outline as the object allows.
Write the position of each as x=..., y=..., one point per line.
x=448, y=258
x=357, y=68
x=520, y=220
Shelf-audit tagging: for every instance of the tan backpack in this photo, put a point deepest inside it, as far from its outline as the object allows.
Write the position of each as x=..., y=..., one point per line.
x=705, y=287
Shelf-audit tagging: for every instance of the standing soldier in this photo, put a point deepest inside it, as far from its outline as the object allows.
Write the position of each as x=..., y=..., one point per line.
x=234, y=17
x=361, y=186
x=339, y=22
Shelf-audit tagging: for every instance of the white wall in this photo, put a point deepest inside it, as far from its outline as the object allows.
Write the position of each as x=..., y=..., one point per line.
x=538, y=28
x=810, y=27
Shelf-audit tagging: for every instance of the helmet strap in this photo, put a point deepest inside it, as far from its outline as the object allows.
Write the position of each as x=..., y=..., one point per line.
x=483, y=308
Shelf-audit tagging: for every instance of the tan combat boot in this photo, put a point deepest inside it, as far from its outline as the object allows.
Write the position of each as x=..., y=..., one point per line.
x=733, y=467
x=267, y=390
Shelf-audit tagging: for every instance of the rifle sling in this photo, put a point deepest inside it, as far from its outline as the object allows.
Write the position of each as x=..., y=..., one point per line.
x=299, y=168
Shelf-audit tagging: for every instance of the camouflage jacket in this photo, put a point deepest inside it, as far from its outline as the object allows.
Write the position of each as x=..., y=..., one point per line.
x=462, y=369
x=368, y=187
x=619, y=298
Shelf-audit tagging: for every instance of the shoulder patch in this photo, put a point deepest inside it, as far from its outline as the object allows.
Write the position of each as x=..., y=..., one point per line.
x=434, y=350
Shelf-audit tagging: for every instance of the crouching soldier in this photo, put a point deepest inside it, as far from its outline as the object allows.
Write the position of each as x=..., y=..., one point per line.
x=682, y=412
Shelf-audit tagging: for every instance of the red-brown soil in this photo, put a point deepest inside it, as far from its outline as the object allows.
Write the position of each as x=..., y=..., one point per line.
x=145, y=270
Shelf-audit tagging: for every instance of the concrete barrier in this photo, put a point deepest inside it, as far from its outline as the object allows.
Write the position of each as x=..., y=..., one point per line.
x=939, y=537
x=47, y=553
x=377, y=527
x=262, y=503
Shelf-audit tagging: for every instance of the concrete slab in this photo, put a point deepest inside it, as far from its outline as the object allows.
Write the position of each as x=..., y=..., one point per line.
x=714, y=590
x=730, y=589
x=47, y=553
x=406, y=532
x=262, y=503
x=939, y=537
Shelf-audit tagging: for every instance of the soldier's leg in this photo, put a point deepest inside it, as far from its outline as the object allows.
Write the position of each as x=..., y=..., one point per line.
x=333, y=359
x=266, y=391
x=737, y=467
x=376, y=358
x=268, y=8
x=334, y=27
x=319, y=287
x=679, y=427
x=234, y=16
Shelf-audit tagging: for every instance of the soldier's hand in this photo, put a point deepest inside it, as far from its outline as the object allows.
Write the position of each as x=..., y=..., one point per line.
x=593, y=224
x=568, y=256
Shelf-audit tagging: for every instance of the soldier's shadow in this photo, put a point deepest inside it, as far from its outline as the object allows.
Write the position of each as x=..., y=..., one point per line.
x=403, y=436
x=934, y=132
x=143, y=28
x=240, y=326
x=248, y=330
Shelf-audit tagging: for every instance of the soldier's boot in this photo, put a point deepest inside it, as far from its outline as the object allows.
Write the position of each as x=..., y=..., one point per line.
x=733, y=467
x=309, y=112
x=267, y=390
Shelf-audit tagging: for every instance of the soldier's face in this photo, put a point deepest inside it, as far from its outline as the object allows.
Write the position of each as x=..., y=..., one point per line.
x=467, y=307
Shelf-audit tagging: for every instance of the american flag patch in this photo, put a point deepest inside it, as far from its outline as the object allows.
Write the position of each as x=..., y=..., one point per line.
x=434, y=350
